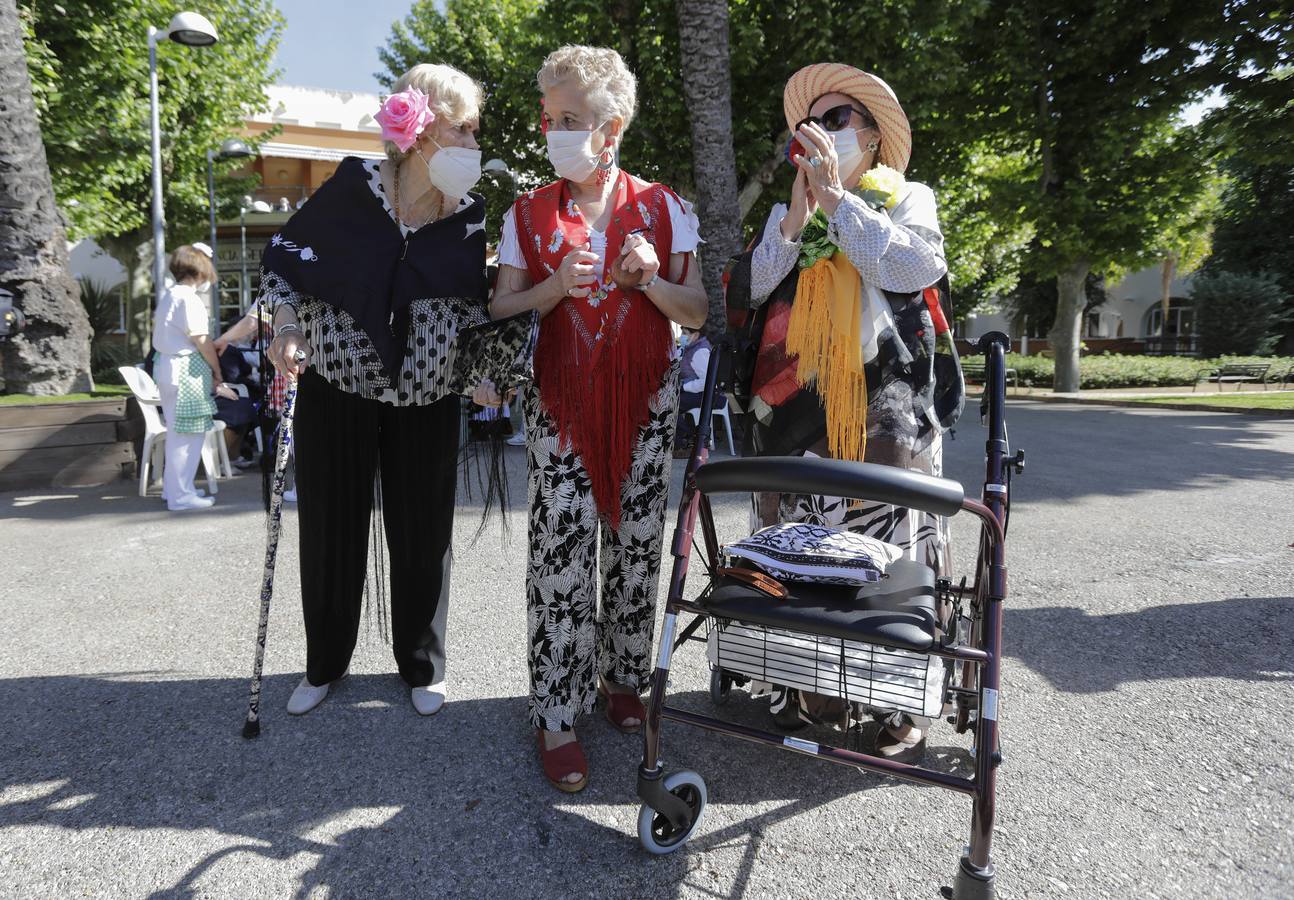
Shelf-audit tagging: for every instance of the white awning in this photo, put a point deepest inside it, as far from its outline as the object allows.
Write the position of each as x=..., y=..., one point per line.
x=301, y=151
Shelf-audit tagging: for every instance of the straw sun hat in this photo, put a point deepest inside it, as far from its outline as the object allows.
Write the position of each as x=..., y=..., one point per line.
x=820, y=79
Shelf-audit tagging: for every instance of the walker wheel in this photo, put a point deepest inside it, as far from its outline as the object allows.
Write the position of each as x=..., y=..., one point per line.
x=720, y=686
x=655, y=831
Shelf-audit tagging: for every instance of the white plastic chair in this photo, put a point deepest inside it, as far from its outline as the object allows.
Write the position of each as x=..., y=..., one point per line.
x=717, y=412
x=150, y=404
x=152, y=456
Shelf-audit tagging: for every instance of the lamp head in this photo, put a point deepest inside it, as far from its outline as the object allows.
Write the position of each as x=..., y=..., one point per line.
x=192, y=29
x=233, y=148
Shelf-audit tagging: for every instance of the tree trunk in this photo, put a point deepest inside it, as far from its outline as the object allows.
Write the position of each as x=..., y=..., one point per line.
x=1066, y=333
x=1166, y=285
x=707, y=85
x=52, y=356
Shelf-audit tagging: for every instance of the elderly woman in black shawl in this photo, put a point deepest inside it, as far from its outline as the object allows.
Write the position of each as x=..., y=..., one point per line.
x=379, y=293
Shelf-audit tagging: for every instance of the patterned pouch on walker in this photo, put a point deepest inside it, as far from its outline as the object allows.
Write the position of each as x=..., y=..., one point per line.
x=797, y=551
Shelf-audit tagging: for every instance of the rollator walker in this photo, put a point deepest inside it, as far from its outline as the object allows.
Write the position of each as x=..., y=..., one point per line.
x=910, y=642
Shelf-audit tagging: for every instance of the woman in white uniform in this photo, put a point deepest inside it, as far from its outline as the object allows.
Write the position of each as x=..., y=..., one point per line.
x=183, y=370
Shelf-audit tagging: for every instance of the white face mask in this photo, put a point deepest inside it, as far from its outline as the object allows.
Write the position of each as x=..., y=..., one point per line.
x=848, y=151
x=571, y=153
x=454, y=170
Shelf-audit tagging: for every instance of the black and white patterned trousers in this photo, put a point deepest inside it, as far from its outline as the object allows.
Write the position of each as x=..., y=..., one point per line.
x=573, y=552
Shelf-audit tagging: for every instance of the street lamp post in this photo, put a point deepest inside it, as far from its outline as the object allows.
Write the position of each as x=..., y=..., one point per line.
x=231, y=148
x=191, y=30
x=248, y=205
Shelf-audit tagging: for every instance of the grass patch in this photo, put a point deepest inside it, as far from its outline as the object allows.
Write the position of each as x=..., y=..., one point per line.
x=1247, y=400
x=1109, y=370
x=102, y=392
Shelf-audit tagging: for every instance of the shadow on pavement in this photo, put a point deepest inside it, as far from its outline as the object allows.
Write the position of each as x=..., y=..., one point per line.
x=385, y=802
x=1246, y=639
x=1129, y=451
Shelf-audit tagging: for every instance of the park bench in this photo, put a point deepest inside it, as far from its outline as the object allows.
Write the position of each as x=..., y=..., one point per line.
x=973, y=372
x=1238, y=373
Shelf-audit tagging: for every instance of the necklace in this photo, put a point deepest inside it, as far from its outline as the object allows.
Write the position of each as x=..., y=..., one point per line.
x=399, y=217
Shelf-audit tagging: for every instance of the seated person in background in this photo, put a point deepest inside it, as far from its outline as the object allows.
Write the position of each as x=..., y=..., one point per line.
x=239, y=413
x=694, y=362
x=244, y=337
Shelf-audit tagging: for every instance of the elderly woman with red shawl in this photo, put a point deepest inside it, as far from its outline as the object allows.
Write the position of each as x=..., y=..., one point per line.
x=607, y=260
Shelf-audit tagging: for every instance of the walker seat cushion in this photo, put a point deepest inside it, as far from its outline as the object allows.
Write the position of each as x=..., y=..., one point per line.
x=896, y=611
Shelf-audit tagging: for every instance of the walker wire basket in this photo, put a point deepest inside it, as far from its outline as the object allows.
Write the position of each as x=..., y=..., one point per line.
x=878, y=678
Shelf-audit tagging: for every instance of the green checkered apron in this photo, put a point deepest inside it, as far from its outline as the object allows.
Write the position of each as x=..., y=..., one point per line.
x=194, y=405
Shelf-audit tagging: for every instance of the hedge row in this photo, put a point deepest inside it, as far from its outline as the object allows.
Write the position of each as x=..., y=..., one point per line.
x=1110, y=370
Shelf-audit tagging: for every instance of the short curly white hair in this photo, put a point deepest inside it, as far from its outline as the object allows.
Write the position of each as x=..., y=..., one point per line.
x=611, y=89
x=450, y=93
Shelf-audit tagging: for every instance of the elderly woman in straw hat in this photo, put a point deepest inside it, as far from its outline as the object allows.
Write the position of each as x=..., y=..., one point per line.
x=846, y=365
x=607, y=260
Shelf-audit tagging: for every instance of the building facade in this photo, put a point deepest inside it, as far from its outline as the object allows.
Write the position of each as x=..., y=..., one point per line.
x=1129, y=321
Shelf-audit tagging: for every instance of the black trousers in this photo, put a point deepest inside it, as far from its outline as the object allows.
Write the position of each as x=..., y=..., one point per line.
x=342, y=440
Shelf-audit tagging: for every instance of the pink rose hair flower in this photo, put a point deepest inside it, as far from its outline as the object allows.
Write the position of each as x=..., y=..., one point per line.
x=404, y=116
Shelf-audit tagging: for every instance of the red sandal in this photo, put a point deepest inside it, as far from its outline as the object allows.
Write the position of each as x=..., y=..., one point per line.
x=621, y=707
x=568, y=759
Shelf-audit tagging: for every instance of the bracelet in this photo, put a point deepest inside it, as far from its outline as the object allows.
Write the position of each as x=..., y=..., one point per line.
x=655, y=277
x=286, y=326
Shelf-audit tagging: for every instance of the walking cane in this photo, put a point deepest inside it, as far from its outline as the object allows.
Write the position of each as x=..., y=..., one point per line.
x=252, y=727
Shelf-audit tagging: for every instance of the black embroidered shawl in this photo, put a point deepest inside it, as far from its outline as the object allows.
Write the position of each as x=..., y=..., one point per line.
x=344, y=249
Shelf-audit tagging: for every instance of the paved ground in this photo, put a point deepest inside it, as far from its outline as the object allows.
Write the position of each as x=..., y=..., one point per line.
x=1147, y=701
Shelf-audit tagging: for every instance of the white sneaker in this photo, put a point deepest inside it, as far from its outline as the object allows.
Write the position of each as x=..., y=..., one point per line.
x=429, y=699
x=197, y=491
x=517, y=440
x=306, y=697
x=191, y=503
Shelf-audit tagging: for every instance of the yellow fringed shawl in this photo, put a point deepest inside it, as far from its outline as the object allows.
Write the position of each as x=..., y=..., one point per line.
x=825, y=333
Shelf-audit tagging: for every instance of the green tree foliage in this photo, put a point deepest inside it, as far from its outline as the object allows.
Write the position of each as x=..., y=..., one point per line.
x=501, y=43
x=89, y=67
x=1238, y=314
x=1091, y=92
x=1255, y=229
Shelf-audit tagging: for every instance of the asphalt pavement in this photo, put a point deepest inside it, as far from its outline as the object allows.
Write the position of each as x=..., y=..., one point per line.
x=1146, y=704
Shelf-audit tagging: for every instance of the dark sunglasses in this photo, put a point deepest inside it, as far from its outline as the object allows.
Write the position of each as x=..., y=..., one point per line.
x=834, y=119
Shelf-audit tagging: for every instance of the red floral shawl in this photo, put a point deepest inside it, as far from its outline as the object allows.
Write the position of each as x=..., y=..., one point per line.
x=599, y=359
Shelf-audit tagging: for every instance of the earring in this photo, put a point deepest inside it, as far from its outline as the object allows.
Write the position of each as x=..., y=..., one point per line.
x=872, y=146
x=606, y=162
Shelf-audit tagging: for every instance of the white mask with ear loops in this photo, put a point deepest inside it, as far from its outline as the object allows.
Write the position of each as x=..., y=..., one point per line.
x=571, y=153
